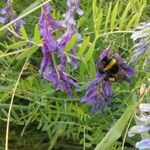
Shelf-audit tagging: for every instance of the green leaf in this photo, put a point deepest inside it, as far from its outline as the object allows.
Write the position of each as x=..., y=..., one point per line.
x=139, y=15
x=122, y=19
x=37, y=35
x=17, y=45
x=2, y=33
x=95, y=15
x=71, y=43
x=81, y=73
x=116, y=131
x=4, y=112
x=3, y=45
x=28, y=52
x=113, y=17
x=90, y=52
x=108, y=17
x=92, y=68
x=88, y=144
x=23, y=32
x=99, y=22
x=60, y=129
x=81, y=21
x=83, y=46
x=131, y=21
x=95, y=9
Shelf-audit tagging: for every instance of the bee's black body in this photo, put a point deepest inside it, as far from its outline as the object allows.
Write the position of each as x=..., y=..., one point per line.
x=113, y=70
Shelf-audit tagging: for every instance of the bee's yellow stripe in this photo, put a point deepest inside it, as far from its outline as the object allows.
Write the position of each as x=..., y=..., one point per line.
x=111, y=63
x=111, y=79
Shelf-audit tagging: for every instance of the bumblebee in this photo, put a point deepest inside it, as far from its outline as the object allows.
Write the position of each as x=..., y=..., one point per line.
x=113, y=70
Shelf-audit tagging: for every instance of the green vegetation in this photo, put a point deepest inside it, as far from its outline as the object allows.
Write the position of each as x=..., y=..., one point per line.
x=45, y=118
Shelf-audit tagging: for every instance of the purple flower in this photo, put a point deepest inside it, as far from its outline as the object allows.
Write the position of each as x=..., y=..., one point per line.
x=143, y=144
x=71, y=29
x=7, y=14
x=141, y=37
x=97, y=95
x=144, y=117
x=74, y=6
x=49, y=45
x=110, y=68
x=138, y=130
x=55, y=73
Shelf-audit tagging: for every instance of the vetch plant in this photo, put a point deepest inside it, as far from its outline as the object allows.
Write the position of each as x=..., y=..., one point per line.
x=50, y=70
x=7, y=14
x=56, y=44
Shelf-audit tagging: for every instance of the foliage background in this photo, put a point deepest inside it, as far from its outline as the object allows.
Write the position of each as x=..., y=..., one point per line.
x=43, y=118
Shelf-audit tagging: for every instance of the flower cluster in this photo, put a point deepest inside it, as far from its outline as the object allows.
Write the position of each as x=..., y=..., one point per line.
x=141, y=37
x=144, y=117
x=7, y=14
x=110, y=68
x=69, y=24
x=55, y=73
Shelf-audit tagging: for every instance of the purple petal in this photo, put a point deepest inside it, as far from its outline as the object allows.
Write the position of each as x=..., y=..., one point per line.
x=63, y=62
x=63, y=40
x=3, y=19
x=144, y=119
x=79, y=11
x=69, y=19
x=73, y=59
x=96, y=105
x=46, y=9
x=92, y=89
x=74, y=5
x=144, y=144
x=126, y=68
x=140, y=49
x=107, y=88
x=118, y=58
x=5, y=10
x=97, y=80
x=46, y=59
x=90, y=95
x=105, y=53
x=51, y=44
x=55, y=24
x=20, y=22
x=104, y=102
x=138, y=130
x=50, y=74
x=46, y=22
x=144, y=107
x=67, y=83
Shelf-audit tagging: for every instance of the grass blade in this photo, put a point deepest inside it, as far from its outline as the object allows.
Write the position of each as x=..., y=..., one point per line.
x=116, y=131
x=107, y=18
x=83, y=46
x=113, y=16
x=122, y=19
